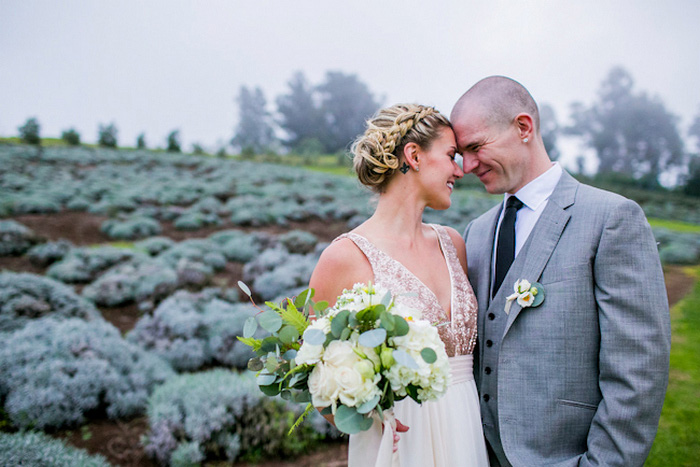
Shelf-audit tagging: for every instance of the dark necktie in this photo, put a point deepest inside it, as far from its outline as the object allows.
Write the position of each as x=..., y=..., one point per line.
x=505, y=248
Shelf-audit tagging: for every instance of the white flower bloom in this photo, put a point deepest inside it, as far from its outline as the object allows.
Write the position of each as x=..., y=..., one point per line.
x=526, y=299
x=523, y=285
x=309, y=354
x=322, y=324
x=323, y=386
x=340, y=353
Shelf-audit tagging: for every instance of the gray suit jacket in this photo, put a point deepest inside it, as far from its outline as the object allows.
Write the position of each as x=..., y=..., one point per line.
x=581, y=379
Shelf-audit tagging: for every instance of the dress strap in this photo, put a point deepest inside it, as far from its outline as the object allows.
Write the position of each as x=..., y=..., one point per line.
x=371, y=252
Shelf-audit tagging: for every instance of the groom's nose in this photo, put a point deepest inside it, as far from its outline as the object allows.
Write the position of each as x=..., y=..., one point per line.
x=469, y=163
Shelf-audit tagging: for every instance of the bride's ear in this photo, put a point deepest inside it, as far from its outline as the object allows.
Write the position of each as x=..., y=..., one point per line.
x=411, y=155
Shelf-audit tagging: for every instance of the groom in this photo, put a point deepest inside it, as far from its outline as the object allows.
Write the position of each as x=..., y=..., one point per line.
x=580, y=378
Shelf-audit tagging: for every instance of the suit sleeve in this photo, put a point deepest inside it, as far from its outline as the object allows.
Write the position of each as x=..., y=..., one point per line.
x=635, y=340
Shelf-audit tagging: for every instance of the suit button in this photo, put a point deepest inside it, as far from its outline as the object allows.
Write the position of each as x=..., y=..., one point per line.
x=487, y=370
x=491, y=316
x=486, y=397
x=489, y=343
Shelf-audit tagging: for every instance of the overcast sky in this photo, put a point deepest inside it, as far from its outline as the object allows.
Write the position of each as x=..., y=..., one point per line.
x=154, y=66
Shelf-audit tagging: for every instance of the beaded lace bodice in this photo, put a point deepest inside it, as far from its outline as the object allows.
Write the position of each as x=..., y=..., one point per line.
x=459, y=333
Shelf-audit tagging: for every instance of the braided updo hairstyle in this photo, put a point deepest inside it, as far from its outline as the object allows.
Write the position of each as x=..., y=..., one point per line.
x=377, y=152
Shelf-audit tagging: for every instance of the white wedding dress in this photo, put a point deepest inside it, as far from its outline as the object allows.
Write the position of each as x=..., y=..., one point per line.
x=446, y=432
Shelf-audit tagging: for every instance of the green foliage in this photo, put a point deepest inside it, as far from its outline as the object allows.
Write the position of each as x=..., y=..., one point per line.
x=198, y=149
x=173, y=143
x=107, y=136
x=29, y=132
x=141, y=141
x=300, y=116
x=71, y=137
x=678, y=439
x=38, y=449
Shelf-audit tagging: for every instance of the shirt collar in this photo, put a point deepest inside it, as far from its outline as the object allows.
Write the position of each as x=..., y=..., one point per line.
x=540, y=189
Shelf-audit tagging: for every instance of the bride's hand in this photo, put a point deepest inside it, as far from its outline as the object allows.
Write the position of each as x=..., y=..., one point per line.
x=400, y=428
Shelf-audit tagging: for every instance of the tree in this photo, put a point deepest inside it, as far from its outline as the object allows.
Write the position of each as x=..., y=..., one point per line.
x=29, y=132
x=71, y=137
x=107, y=136
x=632, y=134
x=254, y=132
x=346, y=103
x=197, y=149
x=549, y=129
x=300, y=115
x=141, y=141
x=174, y=141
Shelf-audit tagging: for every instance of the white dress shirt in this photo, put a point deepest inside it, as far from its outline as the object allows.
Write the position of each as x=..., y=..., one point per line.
x=534, y=196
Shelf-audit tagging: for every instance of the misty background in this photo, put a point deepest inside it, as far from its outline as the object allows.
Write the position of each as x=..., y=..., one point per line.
x=154, y=67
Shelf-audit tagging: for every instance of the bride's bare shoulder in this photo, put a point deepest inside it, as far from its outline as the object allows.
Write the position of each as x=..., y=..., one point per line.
x=341, y=265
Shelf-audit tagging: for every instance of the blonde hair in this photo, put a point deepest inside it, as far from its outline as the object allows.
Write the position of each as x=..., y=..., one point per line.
x=376, y=154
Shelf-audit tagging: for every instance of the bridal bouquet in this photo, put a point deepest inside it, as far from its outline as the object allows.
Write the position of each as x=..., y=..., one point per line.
x=354, y=360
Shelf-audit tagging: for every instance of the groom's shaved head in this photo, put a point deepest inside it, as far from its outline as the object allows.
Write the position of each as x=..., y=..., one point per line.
x=500, y=99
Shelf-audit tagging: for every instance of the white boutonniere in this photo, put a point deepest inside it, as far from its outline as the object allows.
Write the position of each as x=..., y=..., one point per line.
x=527, y=295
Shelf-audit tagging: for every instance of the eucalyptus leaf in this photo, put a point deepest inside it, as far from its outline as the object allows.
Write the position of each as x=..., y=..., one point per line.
x=428, y=355
x=373, y=338
x=270, y=344
x=286, y=394
x=255, y=364
x=290, y=354
x=386, y=299
x=339, y=322
x=244, y=288
x=539, y=298
x=404, y=359
x=387, y=321
x=368, y=406
x=265, y=379
x=302, y=396
x=345, y=335
x=250, y=326
x=321, y=306
x=270, y=321
x=271, y=390
x=401, y=326
x=271, y=365
x=349, y=421
x=303, y=298
x=314, y=336
x=288, y=334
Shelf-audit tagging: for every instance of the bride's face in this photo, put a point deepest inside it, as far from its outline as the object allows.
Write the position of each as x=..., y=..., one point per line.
x=439, y=170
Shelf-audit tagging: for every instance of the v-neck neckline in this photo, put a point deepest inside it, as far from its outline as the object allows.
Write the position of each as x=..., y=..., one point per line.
x=415, y=278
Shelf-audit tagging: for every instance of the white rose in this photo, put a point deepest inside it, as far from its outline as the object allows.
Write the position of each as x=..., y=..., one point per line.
x=322, y=386
x=339, y=354
x=309, y=354
x=350, y=383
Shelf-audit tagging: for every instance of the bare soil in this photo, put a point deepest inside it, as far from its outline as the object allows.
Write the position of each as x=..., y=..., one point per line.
x=118, y=440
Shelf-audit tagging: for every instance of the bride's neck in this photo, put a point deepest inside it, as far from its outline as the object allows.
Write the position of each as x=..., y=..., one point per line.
x=399, y=215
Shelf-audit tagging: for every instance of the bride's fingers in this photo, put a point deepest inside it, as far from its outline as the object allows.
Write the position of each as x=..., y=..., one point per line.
x=400, y=427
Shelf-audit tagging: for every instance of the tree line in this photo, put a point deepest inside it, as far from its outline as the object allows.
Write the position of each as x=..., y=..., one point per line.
x=635, y=138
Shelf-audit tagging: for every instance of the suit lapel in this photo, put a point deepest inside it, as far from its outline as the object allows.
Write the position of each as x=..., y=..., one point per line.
x=480, y=258
x=539, y=246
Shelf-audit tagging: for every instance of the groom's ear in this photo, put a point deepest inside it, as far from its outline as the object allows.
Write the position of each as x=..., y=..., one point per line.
x=525, y=125
x=411, y=155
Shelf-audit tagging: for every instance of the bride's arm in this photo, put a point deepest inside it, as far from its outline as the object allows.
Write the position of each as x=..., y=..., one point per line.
x=340, y=266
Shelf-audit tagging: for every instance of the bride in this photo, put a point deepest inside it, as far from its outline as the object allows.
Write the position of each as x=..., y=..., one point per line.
x=407, y=156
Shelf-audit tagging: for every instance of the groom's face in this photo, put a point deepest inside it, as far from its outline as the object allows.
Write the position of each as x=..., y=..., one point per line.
x=490, y=151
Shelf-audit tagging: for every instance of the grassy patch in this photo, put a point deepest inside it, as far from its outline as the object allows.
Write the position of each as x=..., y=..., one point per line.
x=675, y=225
x=678, y=440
